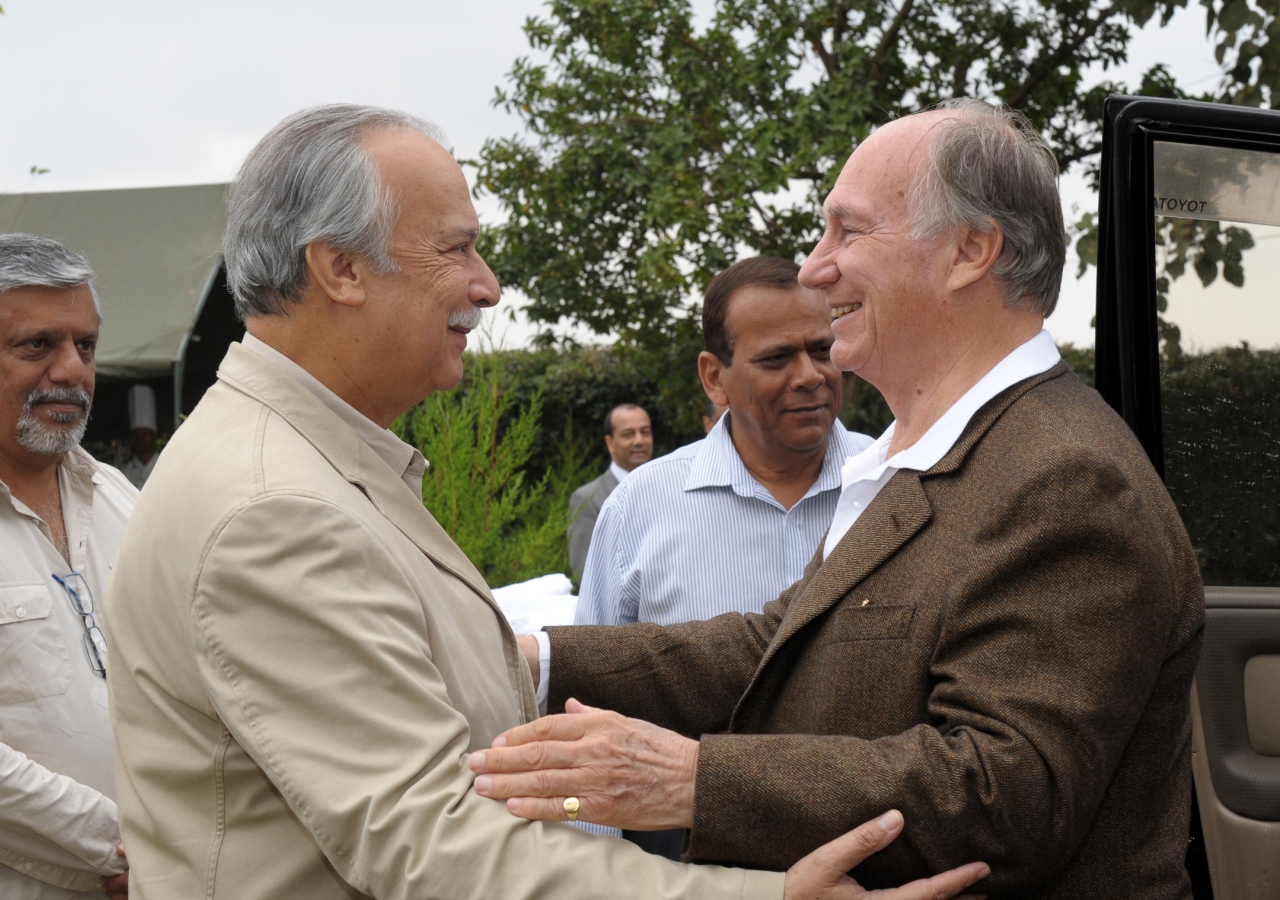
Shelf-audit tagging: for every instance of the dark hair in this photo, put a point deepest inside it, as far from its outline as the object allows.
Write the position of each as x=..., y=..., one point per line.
x=763, y=271
x=608, y=419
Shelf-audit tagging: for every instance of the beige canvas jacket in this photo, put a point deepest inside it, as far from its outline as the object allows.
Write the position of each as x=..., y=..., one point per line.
x=302, y=660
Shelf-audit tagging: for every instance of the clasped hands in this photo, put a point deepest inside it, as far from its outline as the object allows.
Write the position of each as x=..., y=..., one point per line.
x=631, y=774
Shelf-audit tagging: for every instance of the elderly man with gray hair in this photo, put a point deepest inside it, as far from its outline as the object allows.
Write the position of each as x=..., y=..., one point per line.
x=62, y=518
x=302, y=658
x=1000, y=629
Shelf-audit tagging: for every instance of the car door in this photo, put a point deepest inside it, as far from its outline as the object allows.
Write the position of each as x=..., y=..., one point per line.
x=1188, y=352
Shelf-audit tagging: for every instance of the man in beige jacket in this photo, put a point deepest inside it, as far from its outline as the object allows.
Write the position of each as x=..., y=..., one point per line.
x=301, y=657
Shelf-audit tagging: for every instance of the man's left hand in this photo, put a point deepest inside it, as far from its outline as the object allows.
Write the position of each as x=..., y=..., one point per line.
x=625, y=772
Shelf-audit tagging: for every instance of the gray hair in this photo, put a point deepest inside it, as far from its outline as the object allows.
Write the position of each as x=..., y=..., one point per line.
x=988, y=166
x=27, y=260
x=309, y=179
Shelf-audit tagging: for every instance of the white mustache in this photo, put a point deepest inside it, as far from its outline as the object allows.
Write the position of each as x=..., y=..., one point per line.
x=468, y=318
x=78, y=396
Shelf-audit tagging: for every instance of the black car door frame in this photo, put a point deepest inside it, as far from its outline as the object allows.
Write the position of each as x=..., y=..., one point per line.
x=1126, y=342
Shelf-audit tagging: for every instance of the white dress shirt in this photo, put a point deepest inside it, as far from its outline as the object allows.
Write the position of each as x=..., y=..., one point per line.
x=405, y=460
x=865, y=474
x=58, y=827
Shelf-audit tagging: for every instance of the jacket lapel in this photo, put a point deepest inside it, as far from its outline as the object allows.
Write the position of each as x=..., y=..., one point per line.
x=406, y=512
x=351, y=457
x=898, y=512
x=896, y=515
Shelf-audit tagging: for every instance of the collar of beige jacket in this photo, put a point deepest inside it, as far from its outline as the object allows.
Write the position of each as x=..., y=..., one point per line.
x=899, y=511
x=333, y=439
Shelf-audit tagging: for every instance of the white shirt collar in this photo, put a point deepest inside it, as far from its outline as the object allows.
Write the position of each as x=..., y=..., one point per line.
x=1037, y=355
x=403, y=459
x=618, y=472
x=864, y=475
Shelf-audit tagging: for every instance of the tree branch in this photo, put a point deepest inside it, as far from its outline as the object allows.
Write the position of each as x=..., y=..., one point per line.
x=770, y=226
x=1064, y=52
x=888, y=38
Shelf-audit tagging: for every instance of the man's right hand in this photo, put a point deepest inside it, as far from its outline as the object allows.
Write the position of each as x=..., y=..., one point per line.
x=823, y=874
x=116, y=887
x=529, y=647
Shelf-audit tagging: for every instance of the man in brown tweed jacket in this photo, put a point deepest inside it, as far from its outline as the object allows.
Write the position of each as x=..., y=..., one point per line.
x=999, y=635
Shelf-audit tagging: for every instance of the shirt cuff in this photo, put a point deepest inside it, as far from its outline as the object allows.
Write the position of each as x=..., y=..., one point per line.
x=544, y=670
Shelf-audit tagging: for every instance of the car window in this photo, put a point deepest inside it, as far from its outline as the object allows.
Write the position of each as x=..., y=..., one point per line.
x=1217, y=257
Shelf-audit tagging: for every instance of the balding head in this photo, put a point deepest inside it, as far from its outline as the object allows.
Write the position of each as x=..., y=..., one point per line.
x=943, y=229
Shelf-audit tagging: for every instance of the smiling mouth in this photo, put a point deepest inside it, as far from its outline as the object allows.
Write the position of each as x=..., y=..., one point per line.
x=839, y=311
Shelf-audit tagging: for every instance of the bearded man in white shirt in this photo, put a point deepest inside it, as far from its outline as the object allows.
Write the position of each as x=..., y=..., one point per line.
x=1002, y=626
x=62, y=517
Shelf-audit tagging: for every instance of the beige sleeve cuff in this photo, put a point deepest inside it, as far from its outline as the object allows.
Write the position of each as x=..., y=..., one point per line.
x=757, y=885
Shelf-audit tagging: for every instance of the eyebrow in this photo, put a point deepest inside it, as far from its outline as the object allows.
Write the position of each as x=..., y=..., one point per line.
x=836, y=211
x=51, y=334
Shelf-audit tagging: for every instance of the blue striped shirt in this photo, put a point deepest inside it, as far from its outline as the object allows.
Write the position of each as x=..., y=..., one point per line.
x=692, y=535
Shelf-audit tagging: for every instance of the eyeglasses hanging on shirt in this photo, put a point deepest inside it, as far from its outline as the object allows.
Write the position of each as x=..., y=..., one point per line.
x=95, y=644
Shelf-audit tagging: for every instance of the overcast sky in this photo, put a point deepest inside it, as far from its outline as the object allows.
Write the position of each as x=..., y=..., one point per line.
x=130, y=93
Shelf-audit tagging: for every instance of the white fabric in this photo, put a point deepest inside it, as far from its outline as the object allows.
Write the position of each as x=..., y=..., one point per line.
x=403, y=459
x=865, y=474
x=544, y=669
x=58, y=826
x=142, y=407
x=531, y=605
x=619, y=472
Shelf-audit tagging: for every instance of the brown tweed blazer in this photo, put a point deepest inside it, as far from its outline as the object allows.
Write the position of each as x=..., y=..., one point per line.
x=1001, y=647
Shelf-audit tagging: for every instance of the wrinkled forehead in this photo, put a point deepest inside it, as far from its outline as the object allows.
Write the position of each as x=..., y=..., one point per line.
x=49, y=308
x=419, y=171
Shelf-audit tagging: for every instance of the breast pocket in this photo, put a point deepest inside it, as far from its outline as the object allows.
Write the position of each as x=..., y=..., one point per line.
x=34, y=658
x=868, y=623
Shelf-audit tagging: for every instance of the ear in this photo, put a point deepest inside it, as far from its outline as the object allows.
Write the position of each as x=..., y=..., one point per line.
x=711, y=371
x=339, y=274
x=975, y=255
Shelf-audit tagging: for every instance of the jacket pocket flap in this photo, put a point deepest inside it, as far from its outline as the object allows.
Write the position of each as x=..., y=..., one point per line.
x=24, y=602
x=869, y=623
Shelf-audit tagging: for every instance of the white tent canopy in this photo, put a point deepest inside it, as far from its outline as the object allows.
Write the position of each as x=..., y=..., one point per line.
x=156, y=252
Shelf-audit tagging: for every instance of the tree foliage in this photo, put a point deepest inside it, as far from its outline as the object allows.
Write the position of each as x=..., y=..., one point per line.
x=477, y=483
x=658, y=152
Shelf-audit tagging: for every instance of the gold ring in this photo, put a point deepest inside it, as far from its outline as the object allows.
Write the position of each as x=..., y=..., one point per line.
x=571, y=807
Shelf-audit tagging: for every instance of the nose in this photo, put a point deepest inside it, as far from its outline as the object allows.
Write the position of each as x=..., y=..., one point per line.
x=819, y=270
x=805, y=376
x=68, y=367
x=484, y=289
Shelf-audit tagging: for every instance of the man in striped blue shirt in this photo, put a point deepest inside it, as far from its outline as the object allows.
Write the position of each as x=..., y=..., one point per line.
x=727, y=523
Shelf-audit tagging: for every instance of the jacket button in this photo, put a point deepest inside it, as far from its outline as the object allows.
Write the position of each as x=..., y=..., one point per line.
x=20, y=612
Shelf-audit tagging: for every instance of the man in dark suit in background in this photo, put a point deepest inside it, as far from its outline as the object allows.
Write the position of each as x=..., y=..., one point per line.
x=1000, y=630
x=628, y=436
